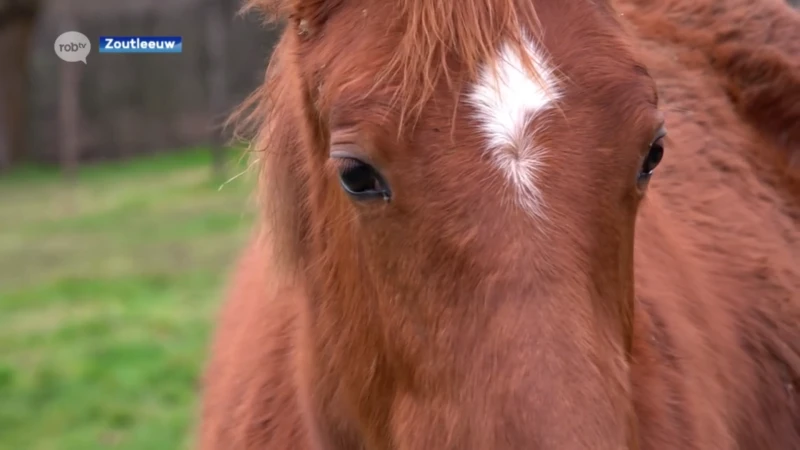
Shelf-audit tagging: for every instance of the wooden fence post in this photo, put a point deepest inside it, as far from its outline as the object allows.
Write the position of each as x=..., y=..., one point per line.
x=216, y=42
x=69, y=110
x=17, y=20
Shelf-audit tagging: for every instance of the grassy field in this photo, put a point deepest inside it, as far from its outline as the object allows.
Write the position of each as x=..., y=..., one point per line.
x=107, y=292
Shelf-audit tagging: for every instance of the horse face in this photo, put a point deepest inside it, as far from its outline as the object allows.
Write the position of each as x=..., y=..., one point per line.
x=469, y=265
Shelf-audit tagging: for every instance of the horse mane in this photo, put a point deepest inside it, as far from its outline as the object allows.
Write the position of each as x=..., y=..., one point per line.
x=442, y=41
x=266, y=121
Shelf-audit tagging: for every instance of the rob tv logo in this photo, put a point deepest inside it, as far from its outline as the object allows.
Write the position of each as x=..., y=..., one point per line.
x=73, y=47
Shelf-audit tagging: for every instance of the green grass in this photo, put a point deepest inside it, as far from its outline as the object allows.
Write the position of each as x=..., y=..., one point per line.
x=108, y=290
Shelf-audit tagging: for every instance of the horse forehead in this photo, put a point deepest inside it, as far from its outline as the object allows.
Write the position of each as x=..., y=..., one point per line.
x=506, y=99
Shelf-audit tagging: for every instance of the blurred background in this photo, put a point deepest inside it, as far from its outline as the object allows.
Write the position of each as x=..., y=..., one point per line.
x=121, y=212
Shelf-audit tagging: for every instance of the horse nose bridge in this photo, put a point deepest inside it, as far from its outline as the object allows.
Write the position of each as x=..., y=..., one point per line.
x=543, y=397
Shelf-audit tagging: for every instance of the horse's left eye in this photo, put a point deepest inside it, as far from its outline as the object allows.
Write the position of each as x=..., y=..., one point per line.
x=652, y=159
x=361, y=180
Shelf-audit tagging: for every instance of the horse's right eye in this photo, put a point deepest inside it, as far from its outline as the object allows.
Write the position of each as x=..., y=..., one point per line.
x=362, y=181
x=654, y=157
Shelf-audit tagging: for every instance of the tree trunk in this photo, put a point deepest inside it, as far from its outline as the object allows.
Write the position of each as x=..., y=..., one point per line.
x=69, y=81
x=16, y=27
x=216, y=45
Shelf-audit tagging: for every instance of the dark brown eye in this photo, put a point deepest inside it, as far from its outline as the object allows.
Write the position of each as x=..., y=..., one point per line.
x=651, y=161
x=361, y=180
x=654, y=156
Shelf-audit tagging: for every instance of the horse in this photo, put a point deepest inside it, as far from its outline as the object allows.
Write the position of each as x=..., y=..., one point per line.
x=508, y=224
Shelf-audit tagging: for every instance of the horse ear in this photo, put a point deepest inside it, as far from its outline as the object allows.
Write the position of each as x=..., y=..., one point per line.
x=763, y=81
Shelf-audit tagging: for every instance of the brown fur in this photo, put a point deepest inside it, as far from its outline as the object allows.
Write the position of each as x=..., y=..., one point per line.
x=448, y=320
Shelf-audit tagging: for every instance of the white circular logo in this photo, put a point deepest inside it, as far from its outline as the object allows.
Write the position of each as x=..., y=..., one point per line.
x=73, y=46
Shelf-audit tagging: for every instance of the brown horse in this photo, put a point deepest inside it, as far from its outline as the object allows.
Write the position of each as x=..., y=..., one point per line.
x=469, y=241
